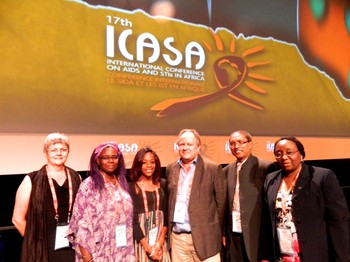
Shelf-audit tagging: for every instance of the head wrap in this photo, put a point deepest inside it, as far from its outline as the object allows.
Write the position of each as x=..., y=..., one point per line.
x=120, y=172
x=100, y=148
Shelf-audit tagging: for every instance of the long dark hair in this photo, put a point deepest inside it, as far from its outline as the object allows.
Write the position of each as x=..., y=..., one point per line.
x=136, y=172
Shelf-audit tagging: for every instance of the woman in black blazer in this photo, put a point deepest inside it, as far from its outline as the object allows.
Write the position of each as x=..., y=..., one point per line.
x=305, y=214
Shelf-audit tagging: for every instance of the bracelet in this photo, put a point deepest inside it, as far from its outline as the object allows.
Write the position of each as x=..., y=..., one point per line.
x=91, y=260
x=152, y=253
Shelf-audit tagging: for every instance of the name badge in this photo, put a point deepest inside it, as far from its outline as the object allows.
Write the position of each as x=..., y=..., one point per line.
x=120, y=235
x=179, y=212
x=236, y=222
x=285, y=239
x=61, y=240
x=152, y=236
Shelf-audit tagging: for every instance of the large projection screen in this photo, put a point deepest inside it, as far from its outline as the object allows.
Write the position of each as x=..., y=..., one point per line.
x=138, y=72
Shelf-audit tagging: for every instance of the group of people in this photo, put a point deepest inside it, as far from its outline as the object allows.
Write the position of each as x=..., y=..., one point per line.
x=250, y=210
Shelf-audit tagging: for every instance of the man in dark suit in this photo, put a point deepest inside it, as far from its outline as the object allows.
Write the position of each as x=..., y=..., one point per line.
x=197, y=194
x=245, y=180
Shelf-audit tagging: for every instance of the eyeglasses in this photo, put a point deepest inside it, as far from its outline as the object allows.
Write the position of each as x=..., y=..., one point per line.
x=107, y=158
x=289, y=154
x=55, y=151
x=238, y=143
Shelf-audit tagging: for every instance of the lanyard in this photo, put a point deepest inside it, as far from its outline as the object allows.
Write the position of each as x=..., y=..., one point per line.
x=54, y=196
x=113, y=195
x=145, y=202
x=291, y=187
x=284, y=196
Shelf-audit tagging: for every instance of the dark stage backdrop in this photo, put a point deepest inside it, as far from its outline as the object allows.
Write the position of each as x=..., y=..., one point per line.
x=10, y=239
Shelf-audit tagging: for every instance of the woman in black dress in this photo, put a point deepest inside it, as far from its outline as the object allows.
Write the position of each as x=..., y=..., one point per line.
x=148, y=191
x=44, y=203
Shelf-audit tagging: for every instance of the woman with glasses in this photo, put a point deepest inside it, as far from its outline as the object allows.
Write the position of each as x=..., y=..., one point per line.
x=306, y=217
x=101, y=224
x=148, y=192
x=44, y=203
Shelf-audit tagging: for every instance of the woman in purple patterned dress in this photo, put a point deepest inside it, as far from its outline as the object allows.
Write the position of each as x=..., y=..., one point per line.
x=101, y=226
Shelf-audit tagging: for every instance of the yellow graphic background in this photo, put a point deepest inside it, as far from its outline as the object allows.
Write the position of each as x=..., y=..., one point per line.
x=53, y=74
x=54, y=77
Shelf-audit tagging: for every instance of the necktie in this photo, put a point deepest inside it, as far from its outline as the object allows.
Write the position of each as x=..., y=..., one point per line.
x=236, y=206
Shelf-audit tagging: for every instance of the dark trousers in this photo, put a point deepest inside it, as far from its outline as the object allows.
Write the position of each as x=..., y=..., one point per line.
x=237, y=251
